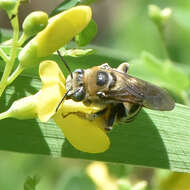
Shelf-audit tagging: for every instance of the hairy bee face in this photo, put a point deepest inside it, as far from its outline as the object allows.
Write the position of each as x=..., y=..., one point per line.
x=75, y=85
x=90, y=84
x=99, y=79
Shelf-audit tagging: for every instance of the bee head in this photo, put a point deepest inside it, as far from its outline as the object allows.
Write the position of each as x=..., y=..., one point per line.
x=75, y=85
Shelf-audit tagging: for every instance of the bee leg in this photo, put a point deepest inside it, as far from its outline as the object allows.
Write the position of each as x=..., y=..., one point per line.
x=116, y=111
x=123, y=67
x=132, y=111
x=111, y=117
x=108, y=128
x=87, y=102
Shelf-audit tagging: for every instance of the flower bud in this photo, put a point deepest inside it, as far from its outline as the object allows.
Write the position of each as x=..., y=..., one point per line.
x=8, y=5
x=159, y=16
x=166, y=14
x=155, y=13
x=60, y=30
x=23, y=108
x=34, y=23
x=99, y=173
x=28, y=56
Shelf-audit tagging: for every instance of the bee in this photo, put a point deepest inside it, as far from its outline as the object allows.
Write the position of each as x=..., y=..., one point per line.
x=114, y=86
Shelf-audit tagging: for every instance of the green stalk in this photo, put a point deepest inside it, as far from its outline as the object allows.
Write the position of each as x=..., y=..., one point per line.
x=15, y=74
x=162, y=36
x=10, y=63
x=4, y=115
x=22, y=39
x=4, y=56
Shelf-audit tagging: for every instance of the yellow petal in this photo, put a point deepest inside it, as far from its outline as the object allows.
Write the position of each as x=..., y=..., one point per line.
x=52, y=91
x=61, y=29
x=50, y=73
x=84, y=135
x=99, y=173
x=70, y=106
x=47, y=100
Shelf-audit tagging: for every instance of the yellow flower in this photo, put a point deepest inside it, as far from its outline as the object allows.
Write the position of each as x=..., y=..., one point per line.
x=59, y=31
x=83, y=134
x=99, y=173
x=75, y=119
x=53, y=89
x=176, y=181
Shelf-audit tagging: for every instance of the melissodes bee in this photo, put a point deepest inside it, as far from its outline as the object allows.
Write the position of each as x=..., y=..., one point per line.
x=126, y=94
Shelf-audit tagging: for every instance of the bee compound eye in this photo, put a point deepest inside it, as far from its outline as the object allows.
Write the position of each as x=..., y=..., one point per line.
x=79, y=95
x=102, y=78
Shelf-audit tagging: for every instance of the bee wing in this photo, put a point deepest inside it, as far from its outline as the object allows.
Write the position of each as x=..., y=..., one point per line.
x=134, y=90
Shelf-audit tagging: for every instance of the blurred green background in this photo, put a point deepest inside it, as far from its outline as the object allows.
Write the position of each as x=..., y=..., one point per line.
x=123, y=26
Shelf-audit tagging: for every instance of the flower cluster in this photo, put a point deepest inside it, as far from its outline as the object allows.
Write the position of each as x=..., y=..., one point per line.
x=81, y=124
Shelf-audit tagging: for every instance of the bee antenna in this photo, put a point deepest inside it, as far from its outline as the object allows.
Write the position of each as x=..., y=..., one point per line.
x=65, y=95
x=65, y=63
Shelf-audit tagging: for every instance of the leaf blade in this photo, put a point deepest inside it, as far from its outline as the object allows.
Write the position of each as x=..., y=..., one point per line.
x=153, y=139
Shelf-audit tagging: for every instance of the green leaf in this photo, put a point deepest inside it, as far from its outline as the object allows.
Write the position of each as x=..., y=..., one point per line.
x=6, y=34
x=77, y=52
x=66, y=4
x=154, y=139
x=163, y=73
x=86, y=36
x=87, y=2
x=124, y=184
x=182, y=17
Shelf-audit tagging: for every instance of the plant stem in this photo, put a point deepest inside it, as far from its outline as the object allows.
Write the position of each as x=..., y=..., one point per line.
x=4, y=115
x=22, y=39
x=4, y=56
x=7, y=42
x=9, y=65
x=14, y=75
x=162, y=36
x=185, y=98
